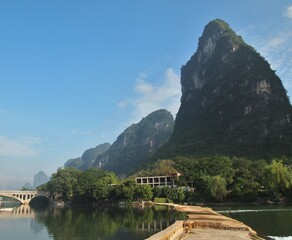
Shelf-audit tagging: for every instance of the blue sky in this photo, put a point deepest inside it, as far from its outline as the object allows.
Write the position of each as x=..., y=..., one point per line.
x=75, y=74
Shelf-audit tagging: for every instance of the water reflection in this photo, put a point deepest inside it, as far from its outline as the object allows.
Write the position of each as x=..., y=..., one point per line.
x=125, y=223
x=90, y=223
x=36, y=227
x=94, y=223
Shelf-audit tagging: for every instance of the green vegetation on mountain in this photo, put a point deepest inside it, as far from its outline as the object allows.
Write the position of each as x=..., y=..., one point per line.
x=137, y=143
x=232, y=103
x=231, y=140
x=159, y=168
x=87, y=159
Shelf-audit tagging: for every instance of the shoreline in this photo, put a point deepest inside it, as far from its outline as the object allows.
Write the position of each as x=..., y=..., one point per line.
x=204, y=223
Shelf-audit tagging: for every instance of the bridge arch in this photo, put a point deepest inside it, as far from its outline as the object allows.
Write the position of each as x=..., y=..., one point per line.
x=13, y=197
x=24, y=197
x=35, y=201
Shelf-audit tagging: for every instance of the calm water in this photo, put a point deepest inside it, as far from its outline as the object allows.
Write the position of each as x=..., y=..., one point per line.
x=127, y=223
x=271, y=221
x=84, y=223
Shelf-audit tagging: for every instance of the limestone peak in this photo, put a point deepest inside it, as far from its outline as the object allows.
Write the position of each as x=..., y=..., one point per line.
x=232, y=102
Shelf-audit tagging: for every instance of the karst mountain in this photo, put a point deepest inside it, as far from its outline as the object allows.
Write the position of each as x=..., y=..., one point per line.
x=232, y=102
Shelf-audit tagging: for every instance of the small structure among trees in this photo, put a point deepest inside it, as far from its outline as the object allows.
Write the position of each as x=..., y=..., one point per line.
x=156, y=181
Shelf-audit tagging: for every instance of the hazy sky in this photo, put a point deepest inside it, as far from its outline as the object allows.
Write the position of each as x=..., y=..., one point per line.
x=75, y=74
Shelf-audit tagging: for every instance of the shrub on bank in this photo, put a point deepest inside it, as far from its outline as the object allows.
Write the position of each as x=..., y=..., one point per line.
x=161, y=200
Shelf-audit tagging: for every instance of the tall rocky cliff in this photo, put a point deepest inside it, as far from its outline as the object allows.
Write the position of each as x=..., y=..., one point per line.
x=88, y=157
x=137, y=143
x=232, y=102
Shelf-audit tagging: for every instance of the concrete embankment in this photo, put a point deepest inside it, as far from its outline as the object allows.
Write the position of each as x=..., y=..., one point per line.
x=204, y=223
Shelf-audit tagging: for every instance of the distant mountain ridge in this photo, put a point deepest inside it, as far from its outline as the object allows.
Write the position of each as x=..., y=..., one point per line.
x=137, y=143
x=88, y=157
x=39, y=179
x=133, y=147
x=232, y=102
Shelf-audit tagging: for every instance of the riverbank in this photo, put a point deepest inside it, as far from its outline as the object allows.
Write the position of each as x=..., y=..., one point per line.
x=204, y=223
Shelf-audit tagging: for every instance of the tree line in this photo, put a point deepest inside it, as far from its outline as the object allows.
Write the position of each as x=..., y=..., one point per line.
x=206, y=179
x=236, y=179
x=100, y=186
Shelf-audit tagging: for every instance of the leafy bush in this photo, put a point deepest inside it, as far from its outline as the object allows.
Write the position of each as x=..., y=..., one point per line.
x=161, y=200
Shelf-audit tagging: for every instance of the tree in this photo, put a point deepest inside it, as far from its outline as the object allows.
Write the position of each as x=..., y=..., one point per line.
x=64, y=183
x=163, y=167
x=143, y=192
x=246, y=183
x=70, y=184
x=277, y=178
x=245, y=189
x=159, y=168
x=176, y=194
x=94, y=185
x=161, y=192
x=126, y=191
x=257, y=170
x=193, y=169
x=214, y=187
x=101, y=191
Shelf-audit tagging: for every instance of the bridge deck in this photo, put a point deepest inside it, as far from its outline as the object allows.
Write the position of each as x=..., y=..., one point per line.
x=23, y=196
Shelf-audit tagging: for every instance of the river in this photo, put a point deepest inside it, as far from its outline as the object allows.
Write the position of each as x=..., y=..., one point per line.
x=113, y=223
x=269, y=221
x=72, y=223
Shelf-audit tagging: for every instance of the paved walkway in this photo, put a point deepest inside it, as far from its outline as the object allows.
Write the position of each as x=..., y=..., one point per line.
x=218, y=234
x=203, y=223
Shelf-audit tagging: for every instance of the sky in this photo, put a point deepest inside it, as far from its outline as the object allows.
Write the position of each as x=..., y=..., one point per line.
x=75, y=74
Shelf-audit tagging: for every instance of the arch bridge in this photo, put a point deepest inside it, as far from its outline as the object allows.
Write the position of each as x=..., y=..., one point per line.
x=24, y=197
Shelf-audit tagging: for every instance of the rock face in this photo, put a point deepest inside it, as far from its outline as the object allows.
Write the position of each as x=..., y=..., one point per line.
x=88, y=157
x=137, y=143
x=232, y=102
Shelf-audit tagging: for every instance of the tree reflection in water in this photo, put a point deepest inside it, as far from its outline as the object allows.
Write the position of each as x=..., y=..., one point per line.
x=104, y=223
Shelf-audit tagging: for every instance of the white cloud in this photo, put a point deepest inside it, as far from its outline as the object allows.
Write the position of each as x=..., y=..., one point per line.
x=143, y=87
x=277, y=50
x=150, y=97
x=288, y=12
x=276, y=41
x=20, y=147
x=273, y=41
x=276, y=47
